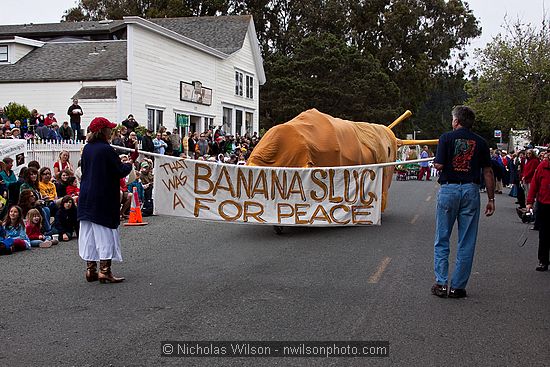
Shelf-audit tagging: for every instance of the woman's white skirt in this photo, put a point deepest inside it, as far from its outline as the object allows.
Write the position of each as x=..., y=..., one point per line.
x=96, y=242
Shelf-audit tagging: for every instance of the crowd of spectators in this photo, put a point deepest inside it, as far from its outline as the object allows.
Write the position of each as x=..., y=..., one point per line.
x=212, y=144
x=43, y=127
x=45, y=198
x=38, y=207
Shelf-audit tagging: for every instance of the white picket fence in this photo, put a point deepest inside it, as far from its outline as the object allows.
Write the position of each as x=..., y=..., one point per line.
x=47, y=152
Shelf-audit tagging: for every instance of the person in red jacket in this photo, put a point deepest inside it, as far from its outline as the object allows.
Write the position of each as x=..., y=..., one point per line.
x=50, y=119
x=33, y=228
x=540, y=190
x=529, y=168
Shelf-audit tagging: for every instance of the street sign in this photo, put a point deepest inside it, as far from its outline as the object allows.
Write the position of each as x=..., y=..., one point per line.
x=498, y=134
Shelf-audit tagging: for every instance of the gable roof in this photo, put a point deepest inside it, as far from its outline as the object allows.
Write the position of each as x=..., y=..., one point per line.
x=59, y=61
x=96, y=93
x=63, y=28
x=225, y=34
x=219, y=36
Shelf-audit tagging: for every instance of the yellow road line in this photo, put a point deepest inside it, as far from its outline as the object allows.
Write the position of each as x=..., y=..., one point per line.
x=415, y=218
x=375, y=277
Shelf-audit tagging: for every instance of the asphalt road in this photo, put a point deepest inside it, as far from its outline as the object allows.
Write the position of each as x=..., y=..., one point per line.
x=190, y=280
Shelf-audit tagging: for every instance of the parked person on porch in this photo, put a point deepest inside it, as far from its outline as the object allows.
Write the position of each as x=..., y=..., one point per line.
x=75, y=112
x=22, y=127
x=54, y=132
x=42, y=131
x=66, y=131
x=50, y=118
x=16, y=133
x=7, y=125
x=130, y=123
x=35, y=120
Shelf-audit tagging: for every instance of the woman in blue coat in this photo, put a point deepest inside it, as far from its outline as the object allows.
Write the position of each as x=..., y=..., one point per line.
x=99, y=202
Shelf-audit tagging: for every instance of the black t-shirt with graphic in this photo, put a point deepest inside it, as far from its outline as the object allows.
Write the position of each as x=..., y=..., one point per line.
x=463, y=154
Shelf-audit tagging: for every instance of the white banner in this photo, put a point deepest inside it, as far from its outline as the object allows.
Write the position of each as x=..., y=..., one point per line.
x=263, y=195
x=16, y=149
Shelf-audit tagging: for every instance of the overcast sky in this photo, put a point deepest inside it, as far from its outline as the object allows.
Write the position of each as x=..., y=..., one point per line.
x=490, y=13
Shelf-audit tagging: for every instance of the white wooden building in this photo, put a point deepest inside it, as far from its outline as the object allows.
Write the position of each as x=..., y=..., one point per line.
x=201, y=72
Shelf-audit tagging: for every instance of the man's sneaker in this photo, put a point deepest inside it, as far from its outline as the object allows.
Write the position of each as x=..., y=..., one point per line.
x=439, y=290
x=457, y=293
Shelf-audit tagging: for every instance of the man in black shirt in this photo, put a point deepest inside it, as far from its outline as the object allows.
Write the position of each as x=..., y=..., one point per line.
x=461, y=157
x=130, y=123
x=75, y=112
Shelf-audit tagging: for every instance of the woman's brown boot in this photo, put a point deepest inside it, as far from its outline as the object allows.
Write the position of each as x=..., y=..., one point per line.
x=91, y=271
x=105, y=274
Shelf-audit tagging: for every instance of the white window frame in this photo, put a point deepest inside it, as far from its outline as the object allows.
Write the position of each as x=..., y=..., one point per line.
x=249, y=86
x=7, y=53
x=239, y=83
x=157, y=122
x=249, y=128
x=227, y=120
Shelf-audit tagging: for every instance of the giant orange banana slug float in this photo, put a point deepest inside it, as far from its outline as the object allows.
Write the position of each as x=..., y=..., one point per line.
x=315, y=139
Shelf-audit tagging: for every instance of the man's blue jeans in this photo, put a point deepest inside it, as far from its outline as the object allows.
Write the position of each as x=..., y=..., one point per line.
x=456, y=202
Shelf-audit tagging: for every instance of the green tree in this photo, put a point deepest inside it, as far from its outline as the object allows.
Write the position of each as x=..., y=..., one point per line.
x=15, y=111
x=513, y=88
x=411, y=40
x=326, y=73
x=117, y=9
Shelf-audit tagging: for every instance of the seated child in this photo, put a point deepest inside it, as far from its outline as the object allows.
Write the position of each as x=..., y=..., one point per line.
x=140, y=189
x=34, y=232
x=65, y=223
x=72, y=188
x=14, y=228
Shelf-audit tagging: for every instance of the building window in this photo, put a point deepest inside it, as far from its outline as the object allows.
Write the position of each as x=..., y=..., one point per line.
x=249, y=87
x=154, y=119
x=3, y=53
x=209, y=123
x=249, y=120
x=238, y=122
x=227, y=120
x=238, y=83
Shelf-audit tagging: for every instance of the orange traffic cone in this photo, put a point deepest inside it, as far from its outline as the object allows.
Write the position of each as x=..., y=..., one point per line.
x=135, y=211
